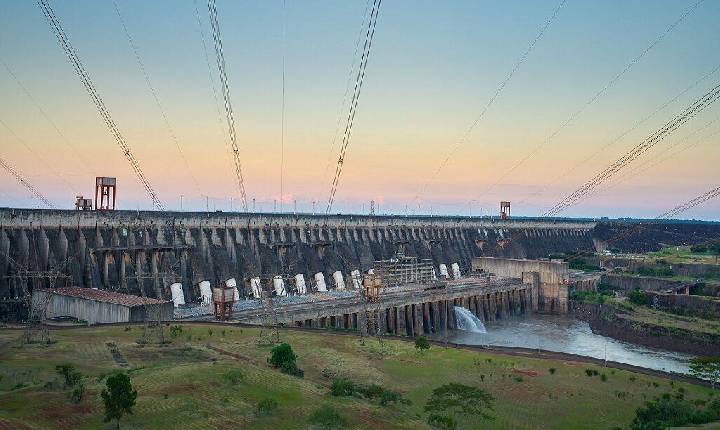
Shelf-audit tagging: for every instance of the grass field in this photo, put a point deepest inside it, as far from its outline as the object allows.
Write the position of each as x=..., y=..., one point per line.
x=182, y=385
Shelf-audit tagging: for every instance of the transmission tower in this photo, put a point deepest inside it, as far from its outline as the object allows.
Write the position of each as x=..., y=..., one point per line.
x=36, y=330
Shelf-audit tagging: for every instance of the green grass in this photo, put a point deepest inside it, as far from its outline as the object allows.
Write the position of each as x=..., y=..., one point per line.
x=183, y=385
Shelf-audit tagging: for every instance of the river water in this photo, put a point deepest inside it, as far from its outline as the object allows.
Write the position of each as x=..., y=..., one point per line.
x=565, y=334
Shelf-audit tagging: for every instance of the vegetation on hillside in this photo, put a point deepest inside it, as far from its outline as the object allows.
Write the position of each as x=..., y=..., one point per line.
x=203, y=381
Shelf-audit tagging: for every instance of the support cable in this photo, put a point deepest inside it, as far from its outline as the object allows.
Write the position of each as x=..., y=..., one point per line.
x=87, y=82
x=212, y=9
x=370, y=32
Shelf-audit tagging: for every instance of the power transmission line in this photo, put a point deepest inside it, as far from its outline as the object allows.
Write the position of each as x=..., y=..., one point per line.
x=82, y=73
x=37, y=156
x=696, y=107
x=596, y=96
x=153, y=92
x=702, y=198
x=25, y=183
x=351, y=73
x=370, y=32
x=76, y=154
x=228, y=105
x=282, y=109
x=622, y=135
x=495, y=95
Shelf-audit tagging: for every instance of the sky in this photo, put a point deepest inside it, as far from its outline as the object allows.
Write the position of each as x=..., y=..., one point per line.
x=587, y=93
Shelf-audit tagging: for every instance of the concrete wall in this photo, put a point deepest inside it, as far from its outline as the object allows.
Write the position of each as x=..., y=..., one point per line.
x=551, y=282
x=215, y=247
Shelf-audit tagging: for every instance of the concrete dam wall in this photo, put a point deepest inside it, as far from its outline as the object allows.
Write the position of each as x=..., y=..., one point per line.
x=129, y=250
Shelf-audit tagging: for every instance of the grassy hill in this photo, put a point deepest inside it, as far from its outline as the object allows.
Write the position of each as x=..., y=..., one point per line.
x=186, y=384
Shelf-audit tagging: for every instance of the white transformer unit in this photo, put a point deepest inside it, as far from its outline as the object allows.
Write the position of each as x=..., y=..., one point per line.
x=231, y=283
x=433, y=274
x=279, y=285
x=356, y=279
x=178, y=297
x=255, y=287
x=205, y=292
x=444, y=271
x=339, y=280
x=300, y=284
x=456, y=271
x=320, y=282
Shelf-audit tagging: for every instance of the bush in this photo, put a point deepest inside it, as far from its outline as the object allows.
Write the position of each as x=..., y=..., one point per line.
x=603, y=377
x=637, y=297
x=76, y=395
x=234, y=376
x=327, y=418
x=267, y=406
x=552, y=370
x=589, y=372
x=69, y=373
x=389, y=397
x=284, y=359
x=421, y=343
x=342, y=387
x=176, y=330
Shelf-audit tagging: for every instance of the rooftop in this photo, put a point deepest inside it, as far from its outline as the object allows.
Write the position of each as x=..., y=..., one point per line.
x=104, y=296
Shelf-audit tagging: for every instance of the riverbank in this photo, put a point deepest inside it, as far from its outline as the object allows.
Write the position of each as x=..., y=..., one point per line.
x=649, y=327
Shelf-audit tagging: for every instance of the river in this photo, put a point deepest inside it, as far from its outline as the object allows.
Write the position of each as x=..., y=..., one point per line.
x=565, y=334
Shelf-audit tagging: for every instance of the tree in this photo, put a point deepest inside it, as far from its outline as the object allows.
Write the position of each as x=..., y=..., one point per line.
x=119, y=397
x=422, y=344
x=460, y=399
x=706, y=368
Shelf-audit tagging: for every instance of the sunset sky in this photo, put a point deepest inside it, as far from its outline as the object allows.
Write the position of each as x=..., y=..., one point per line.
x=432, y=69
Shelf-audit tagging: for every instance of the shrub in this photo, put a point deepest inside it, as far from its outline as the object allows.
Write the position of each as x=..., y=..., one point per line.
x=176, y=330
x=552, y=370
x=69, y=373
x=603, y=377
x=76, y=395
x=589, y=372
x=637, y=297
x=327, y=418
x=285, y=359
x=388, y=397
x=267, y=406
x=342, y=387
x=422, y=344
x=234, y=376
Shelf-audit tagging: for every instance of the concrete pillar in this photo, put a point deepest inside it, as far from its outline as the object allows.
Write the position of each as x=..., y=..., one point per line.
x=418, y=317
x=427, y=321
x=392, y=320
x=401, y=321
x=442, y=316
x=435, y=317
x=382, y=321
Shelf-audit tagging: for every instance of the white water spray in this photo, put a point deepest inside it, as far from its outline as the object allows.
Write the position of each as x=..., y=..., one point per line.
x=466, y=321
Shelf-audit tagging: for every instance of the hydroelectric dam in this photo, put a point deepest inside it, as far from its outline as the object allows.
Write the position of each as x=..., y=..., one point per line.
x=168, y=255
